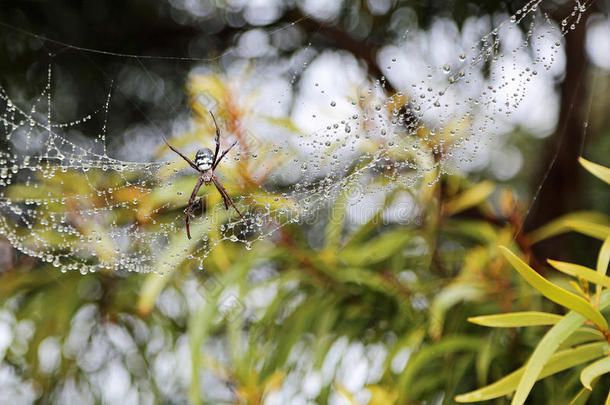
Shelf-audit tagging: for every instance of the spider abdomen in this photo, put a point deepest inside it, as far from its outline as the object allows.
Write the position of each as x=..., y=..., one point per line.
x=204, y=159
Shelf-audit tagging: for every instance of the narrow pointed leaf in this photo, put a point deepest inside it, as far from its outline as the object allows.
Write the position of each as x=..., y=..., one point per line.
x=473, y=196
x=593, y=224
x=560, y=361
x=516, y=319
x=409, y=377
x=334, y=228
x=539, y=363
x=604, y=257
x=602, y=263
x=598, y=171
x=376, y=249
x=446, y=299
x=577, y=270
x=554, y=293
x=582, y=335
x=594, y=370
x=581, y=398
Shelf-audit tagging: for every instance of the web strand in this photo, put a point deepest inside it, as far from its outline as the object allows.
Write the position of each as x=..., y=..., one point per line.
x=113, y=214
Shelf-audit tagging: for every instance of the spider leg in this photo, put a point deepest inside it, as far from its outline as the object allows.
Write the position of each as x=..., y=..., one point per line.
x=190, y=162
x=216, y=139
x=198, y=207
x=190, y=207
x=223, y=155
x=224, y=200
x=222, y=191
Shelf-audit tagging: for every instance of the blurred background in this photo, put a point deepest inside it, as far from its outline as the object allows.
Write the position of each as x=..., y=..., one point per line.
x=363, y=304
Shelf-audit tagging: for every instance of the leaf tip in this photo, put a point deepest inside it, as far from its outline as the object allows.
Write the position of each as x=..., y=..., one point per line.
x=506, y=252
x=474, y=319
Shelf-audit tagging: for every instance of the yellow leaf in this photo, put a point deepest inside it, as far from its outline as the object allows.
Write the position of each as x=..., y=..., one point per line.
x=604, y=257
x=598, y=171
x=554, y=293
x=577, y=270
x=594, y=224
x=516, y=319
x=594, y=370
x=473, y=196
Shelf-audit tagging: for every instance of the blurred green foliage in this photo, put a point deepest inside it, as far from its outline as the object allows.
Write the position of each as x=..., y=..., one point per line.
x=263, y=319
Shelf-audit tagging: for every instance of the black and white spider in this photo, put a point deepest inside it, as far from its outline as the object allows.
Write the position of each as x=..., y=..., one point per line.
x=205, y=163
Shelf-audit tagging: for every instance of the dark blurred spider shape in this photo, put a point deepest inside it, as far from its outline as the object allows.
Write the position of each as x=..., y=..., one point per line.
x=205, y=163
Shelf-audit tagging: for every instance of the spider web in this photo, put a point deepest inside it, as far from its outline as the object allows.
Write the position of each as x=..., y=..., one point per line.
x=66, y=201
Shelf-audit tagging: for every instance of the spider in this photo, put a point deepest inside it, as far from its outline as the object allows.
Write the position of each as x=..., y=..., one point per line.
x=205, y=163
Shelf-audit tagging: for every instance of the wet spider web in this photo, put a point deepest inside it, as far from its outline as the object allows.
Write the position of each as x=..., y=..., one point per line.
x=70, y=203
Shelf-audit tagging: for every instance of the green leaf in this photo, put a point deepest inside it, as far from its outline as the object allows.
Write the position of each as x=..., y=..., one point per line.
x=178, y=249
x=598, y=171
x=364, y=277
x=517, y=319
x=479, y=231
x=483, y=360
x=473, y=196
x=593, y=224
x=540, y=362
x=604, y=257
x=560, y=361
x=577, y=270
x=375, y=250
x=363, y=231
x=582, y=335
x=295, y=326
x=554, y=293
x=543, y=353
x=334, y=228
x=447, y=298
x=408, y=379
x=594, y=370
x=581, y=398
x=200, y=322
